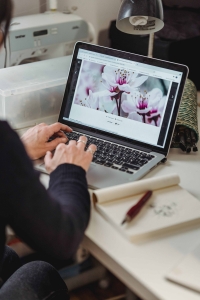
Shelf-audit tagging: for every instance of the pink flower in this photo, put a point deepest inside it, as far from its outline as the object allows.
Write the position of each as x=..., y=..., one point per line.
x=89, y=80
x=148, y=106
x=100, y=101
x=121, y=80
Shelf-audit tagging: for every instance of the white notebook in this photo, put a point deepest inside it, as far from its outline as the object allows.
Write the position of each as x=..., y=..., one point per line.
x=169, y=207
x=187, y=272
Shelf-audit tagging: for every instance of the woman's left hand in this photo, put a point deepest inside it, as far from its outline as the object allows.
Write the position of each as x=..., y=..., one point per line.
x=36, y=139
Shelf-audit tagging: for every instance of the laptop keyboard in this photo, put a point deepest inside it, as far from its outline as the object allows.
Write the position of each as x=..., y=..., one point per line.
x=113, y=155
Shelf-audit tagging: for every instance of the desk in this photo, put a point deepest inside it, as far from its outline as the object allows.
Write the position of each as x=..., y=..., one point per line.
x=142, y=267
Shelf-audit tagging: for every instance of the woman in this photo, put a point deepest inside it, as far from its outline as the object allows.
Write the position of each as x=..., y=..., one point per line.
x=52, y=222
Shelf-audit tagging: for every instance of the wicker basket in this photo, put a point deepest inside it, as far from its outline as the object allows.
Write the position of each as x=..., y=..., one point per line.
x=187, y=122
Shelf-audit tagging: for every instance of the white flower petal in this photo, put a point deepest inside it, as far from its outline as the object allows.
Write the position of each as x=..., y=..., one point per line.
x=139, y=81
x=135, y=116
x=104, y=93
x=106, y=104
x=128, y=106
x=109, y=79
x=161, y=103
x=125, y=88
x=133, y=76
x=92, y=100
x=154, y=96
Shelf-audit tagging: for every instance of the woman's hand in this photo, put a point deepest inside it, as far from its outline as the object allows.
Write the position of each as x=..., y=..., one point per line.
x=73, y=153
x=37, y=139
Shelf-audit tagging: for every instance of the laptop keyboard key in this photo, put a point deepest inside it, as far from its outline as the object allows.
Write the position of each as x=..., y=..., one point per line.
x=123, y=169
x=100, y=162
x=131, y=166
x=114, y=167
x=108, y=164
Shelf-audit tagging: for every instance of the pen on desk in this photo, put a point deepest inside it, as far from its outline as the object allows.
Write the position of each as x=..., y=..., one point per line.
x=134, y=210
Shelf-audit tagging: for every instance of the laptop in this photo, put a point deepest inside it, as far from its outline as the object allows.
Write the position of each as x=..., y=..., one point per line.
x=127, y=105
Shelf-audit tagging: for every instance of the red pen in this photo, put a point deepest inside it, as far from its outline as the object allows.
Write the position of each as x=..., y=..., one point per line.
x=134, y=210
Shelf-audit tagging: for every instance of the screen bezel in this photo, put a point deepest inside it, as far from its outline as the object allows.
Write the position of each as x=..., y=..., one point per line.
x=137, y=58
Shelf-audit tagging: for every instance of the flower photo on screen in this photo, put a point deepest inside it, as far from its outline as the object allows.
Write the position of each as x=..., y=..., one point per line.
x=122, y=92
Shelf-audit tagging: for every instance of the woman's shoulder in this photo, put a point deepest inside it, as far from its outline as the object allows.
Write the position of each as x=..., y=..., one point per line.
x=6, y=130
x=4, y=126
x=8, y=136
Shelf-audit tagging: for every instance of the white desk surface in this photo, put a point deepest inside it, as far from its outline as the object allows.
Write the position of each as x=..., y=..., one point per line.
x=142, y=267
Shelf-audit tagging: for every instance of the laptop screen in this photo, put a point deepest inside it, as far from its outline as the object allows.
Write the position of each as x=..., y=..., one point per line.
x=121, y=96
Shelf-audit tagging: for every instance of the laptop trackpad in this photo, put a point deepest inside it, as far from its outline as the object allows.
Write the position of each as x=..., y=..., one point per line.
x=99, y=176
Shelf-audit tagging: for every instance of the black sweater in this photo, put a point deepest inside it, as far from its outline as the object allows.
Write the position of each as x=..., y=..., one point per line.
x=52, y=222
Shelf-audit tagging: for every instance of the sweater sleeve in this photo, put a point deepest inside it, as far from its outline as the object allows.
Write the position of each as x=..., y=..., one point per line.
x=52, y=221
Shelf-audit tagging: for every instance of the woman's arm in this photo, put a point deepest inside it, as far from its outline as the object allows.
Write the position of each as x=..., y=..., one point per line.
x=52, y=222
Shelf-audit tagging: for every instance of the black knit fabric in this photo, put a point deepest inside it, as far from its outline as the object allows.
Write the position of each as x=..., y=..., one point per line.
x=52, y=222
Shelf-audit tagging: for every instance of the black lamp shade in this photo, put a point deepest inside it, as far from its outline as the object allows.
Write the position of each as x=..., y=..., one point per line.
x=140, y=16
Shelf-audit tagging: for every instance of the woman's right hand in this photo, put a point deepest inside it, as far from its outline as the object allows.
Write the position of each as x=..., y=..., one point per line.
x=73, y=153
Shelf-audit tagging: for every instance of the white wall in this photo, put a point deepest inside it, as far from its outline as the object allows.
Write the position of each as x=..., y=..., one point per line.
x=99, y=12
x=26, y=7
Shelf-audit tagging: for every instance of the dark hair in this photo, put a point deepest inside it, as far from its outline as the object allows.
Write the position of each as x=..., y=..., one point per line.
x=5, y=14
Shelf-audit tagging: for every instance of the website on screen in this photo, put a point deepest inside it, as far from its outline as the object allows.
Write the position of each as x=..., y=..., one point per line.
x=124, y=97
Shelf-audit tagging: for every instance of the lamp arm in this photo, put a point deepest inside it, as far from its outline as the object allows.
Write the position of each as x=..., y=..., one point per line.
x=150, y=47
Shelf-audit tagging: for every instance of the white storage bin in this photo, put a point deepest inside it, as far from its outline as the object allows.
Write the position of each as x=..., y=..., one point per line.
x=33, y=93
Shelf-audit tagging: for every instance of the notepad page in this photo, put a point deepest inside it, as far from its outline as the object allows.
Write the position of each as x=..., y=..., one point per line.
x=166, y=208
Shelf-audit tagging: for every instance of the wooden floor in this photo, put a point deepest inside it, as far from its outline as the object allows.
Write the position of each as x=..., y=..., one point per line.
x=115, y=290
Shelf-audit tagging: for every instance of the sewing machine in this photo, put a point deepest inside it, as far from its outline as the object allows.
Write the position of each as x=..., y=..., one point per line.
x=43, y=36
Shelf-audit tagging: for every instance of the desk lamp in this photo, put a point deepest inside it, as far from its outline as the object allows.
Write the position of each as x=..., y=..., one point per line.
x=141, y=17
